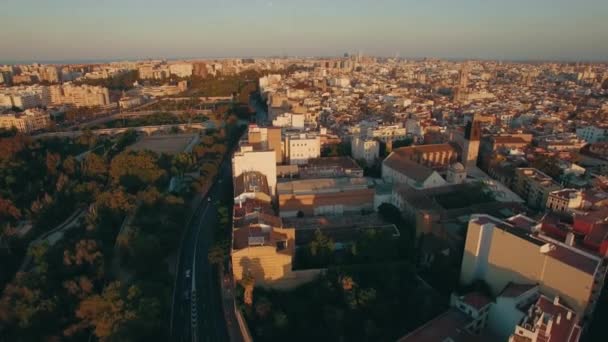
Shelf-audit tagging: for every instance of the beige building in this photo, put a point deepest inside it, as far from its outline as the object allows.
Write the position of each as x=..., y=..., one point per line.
x=268, y=137
x=28, y=121
x=263, y=249
x=565, y=200
x=79, y=96
x=500, y=252
x=181, y=69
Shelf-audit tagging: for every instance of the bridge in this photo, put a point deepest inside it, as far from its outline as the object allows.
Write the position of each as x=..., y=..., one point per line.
x=148, y=130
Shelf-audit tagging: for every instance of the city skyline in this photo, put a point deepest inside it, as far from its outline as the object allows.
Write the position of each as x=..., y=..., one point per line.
x=67, y=30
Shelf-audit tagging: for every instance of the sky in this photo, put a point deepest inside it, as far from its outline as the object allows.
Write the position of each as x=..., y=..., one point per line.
x=61, y=30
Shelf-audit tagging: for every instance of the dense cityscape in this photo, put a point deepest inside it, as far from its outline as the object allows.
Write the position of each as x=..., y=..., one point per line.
x=265, y=171
x=379, y=198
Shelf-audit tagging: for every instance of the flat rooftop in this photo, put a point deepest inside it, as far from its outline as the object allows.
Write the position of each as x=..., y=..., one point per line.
x=322, y=185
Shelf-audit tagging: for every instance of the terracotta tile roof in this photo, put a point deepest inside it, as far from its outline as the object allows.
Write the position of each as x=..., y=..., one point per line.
x=449, y=324
x=409, y=168
x=251, y=181
x=476, y=300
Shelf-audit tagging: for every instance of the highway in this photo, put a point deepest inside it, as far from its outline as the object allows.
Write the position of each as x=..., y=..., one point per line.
x=197, y=312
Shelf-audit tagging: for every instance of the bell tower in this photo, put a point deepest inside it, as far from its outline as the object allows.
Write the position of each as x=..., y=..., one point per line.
x=472, y=138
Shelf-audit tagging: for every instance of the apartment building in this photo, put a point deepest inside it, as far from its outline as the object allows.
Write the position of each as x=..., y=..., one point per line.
x=289, y=120
x=299, y=148
x=79, y=96
x=267, y=137
x=181, y=69
x=365, y=149
x=387, y=134
x=593, y=133
x=28, y=121
x=25, y=97
x=565, y=200
x=534, y=186
x=500, y=252
x=261, y=247
x=255, y=157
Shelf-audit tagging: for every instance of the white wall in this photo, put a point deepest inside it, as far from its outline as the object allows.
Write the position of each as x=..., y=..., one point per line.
x=261, y=161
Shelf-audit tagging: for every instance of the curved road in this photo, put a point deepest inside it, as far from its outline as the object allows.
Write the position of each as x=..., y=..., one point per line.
x=197, y=309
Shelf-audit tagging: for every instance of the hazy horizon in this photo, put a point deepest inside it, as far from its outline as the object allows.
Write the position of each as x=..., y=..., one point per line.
x=87, y=30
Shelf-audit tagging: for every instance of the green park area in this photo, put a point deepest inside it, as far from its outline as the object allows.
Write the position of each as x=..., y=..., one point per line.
x=107, y=272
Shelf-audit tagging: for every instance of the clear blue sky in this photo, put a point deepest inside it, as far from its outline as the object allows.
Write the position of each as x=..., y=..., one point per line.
x=114, y=29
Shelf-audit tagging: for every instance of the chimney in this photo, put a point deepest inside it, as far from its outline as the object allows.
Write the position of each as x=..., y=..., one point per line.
x=569, y=315
x=556, y=300
x=559, y=319
x=570, y=239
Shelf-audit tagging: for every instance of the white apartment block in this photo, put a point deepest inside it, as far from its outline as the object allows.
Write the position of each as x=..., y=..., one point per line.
x=301, y=147
x=263, y=161
x=289, y=120
x=28, y=121
x=79, y=96
x=181, y=69
x=366, y=149
x=387, y=133
x=593, y=134
x=24, y=97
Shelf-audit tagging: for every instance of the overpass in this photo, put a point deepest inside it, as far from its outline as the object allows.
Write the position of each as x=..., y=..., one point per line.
x=148, y=130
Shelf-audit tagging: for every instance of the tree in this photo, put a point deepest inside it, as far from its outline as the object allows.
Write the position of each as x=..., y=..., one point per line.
x=182, y=163
x=403, y=143
x=94, y=167
x=135, y=170
x=107, y=313
x=248, y=283
x=69, y=165
x=24, y=303
x=322, y=247
x=53, y=161
x=8, y=211
x=216, y=255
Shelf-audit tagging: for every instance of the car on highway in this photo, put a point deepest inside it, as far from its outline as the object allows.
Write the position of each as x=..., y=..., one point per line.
x=187, y=273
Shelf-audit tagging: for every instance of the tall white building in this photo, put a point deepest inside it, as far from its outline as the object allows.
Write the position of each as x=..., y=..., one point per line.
x=289, y=120
x=263, y=161
x=301, y=147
